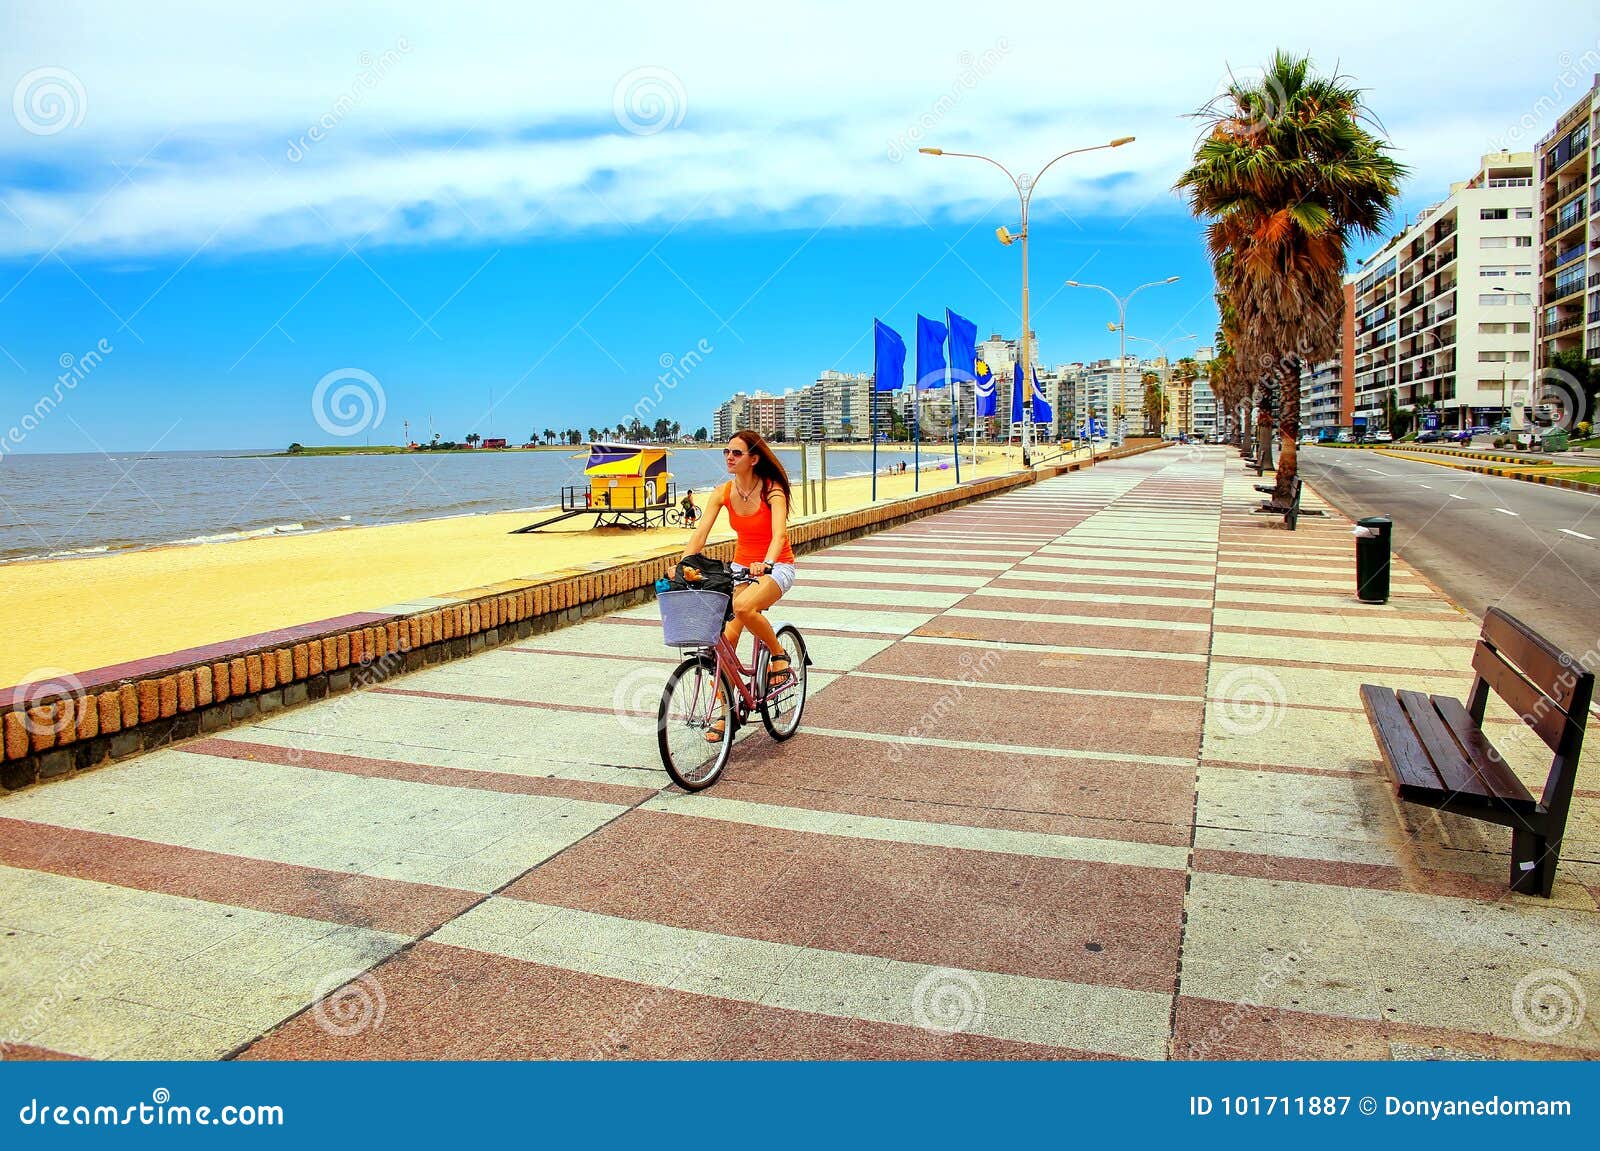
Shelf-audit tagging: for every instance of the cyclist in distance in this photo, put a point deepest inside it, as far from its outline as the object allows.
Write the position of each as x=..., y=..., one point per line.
x=756, y=497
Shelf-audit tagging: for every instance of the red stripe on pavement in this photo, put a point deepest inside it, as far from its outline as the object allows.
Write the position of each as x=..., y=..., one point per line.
x=263, y=885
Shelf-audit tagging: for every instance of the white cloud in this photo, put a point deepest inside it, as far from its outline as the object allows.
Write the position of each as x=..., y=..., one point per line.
x=491, y=121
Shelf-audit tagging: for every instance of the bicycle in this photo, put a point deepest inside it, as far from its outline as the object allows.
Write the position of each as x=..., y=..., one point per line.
x=713, y=685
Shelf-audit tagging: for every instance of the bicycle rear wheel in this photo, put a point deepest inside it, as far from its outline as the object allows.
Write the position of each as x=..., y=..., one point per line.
x=697, y=696
x=780, y=709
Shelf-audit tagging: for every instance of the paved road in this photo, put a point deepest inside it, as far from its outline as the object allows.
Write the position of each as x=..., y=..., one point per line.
x=1534, y=551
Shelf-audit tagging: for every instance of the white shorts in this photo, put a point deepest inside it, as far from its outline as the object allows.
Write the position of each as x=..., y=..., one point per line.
x=782, y=573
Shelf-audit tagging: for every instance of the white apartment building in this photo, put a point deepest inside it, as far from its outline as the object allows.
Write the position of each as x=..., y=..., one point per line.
x=837, y=406
x=1443, y=313
x=1320, y=386
x=1205, y=408
x=731, y=415
x=1104, y=386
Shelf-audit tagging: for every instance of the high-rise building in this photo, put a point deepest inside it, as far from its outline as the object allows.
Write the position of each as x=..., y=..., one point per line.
x=1105, y=383
x=730, y=416
x=1569, y=233
x=1443, y=313
x=1327, y=389
x=765, y=415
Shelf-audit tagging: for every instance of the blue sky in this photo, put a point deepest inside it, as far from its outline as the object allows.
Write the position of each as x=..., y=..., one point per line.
x=549, y=213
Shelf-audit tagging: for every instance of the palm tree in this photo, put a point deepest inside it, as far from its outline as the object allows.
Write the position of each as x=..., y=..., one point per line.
x=593, y=435
x=472, y=439
x=677, y=429
x=1288, y=174
x=1152, y=401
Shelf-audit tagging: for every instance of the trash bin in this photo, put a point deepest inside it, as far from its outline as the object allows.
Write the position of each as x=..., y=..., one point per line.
x=1555, y=440
x=1372, y=559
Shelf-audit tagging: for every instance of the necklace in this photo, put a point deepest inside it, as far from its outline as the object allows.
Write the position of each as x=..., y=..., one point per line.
x=746, y=494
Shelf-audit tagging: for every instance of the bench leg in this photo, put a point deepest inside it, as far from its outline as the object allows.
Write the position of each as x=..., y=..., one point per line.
x=1533, y=862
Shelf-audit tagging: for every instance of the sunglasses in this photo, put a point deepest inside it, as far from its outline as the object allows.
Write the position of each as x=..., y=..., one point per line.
x=732, y=453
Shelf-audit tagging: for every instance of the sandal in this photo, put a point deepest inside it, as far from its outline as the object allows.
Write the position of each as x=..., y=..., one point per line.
x=779, y=676
x=717, y=731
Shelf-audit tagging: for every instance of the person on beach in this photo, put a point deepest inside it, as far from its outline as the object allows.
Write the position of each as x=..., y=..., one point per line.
x=690, y=511
x=756, y=497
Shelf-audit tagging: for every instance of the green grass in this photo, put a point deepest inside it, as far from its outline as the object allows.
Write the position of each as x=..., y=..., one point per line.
x=374, y=450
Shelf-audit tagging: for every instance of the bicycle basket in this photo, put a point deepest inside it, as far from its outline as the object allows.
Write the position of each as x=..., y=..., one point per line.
x=692, y=618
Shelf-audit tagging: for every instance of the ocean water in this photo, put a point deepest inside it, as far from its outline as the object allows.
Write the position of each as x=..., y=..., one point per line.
x=64, y=506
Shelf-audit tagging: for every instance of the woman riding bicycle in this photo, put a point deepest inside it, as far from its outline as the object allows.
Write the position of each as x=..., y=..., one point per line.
x=757, y=499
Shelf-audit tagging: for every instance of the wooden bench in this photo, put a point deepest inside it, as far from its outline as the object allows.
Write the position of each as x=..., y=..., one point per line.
x=1289, y=511
x=1437, y=752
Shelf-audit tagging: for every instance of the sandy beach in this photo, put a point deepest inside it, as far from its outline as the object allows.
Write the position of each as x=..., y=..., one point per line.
x=75, y=615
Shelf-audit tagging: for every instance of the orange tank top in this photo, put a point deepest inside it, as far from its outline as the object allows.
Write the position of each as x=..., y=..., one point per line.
x=754, y=532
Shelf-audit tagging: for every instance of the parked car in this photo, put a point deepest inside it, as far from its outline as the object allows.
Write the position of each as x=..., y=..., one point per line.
x=1342, y=438
x=1427, y=436
x=1383, y=438
x=1464, y=436
x=1482, y=430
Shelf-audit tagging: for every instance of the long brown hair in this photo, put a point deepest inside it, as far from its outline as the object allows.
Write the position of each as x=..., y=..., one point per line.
x=767, y=466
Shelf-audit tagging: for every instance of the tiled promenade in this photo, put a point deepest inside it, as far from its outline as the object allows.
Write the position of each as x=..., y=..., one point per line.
x=1083, y=774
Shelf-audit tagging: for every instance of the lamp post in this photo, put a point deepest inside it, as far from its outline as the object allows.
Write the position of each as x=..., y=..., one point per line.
x=1024, y=184
x=1166, y=361
x=1122, y=326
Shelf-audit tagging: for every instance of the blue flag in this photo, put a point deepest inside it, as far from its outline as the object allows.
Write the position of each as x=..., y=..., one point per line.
x=1041, y=410
x=985, y=390
x=888, y=358
x=963, y=348
x=930, y=353
x=1016, y=393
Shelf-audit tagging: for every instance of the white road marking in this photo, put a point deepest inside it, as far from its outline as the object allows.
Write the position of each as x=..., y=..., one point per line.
x=1376, y=472
x=1456, y=497
x=1504, y=512
x=1428, y=486
x=1580, y=535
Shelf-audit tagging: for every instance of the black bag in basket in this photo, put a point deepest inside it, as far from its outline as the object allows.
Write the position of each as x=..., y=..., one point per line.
x=713, y=575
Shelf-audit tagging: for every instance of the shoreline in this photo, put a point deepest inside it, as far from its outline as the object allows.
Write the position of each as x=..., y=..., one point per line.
x=120, y=606
x=299, y=530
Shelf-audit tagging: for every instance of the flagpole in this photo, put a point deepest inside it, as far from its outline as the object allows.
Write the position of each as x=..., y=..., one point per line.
x=955, y=428
x=916, y=437
x=874, y=421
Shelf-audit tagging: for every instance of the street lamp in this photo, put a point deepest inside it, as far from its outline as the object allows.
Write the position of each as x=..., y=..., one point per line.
x=1122, y=326
x=1166, y=361
x=1024, y=184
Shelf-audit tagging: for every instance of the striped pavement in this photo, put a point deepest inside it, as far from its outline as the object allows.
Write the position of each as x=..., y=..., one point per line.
x=1083, y=774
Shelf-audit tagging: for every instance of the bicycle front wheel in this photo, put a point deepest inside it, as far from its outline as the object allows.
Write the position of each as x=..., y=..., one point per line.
x=698, y=697
x=780, y=709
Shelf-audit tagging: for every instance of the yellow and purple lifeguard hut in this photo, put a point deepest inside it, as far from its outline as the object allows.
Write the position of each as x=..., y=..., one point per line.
x=626, y=485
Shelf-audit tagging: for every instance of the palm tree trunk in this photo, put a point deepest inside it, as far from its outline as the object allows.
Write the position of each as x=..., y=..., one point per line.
x=1289, y=430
